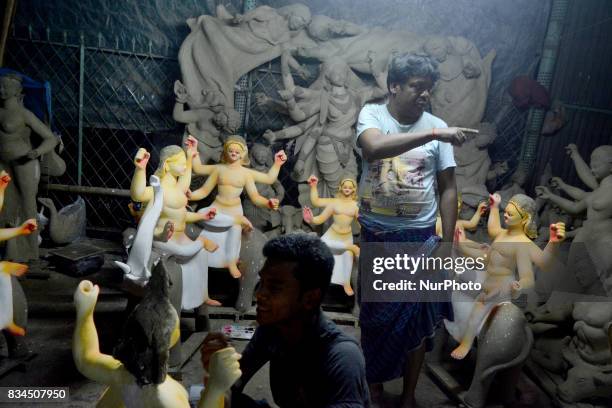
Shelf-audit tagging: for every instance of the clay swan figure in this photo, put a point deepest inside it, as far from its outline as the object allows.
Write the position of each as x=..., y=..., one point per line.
x=67, y=224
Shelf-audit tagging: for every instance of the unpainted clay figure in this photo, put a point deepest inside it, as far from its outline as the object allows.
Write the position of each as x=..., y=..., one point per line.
x=10, y=270
x=514, y=186
x=593, y=239
x=583, y=360
x=474, y=168
x=232, y=177
x=220, y=50
x=460, y=95
x=20, y=159
x=264, y=219
x=512, y=249
x=174, y=174
x=208, y=120
x=339, y=237
x=136, y=375
x=326, y=113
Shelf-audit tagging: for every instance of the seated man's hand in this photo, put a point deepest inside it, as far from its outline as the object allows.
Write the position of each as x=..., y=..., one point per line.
x=224, y=369
x=213, y=342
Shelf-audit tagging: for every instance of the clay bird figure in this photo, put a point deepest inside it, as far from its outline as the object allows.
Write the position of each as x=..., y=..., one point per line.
x=67, y=224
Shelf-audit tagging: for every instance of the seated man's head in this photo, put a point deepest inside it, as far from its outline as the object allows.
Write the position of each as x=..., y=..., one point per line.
x=294, y=278
x=410, y=81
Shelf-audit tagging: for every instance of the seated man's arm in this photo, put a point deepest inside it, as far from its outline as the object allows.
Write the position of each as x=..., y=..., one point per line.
x=345, y=377
x=254, y=356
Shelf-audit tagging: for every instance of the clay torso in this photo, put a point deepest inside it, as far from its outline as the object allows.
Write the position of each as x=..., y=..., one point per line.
x=14, y=135
x=599, y=204
x=174, y=210
x=231, y=183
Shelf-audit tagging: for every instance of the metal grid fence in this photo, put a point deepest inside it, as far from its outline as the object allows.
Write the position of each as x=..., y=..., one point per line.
x=106, y=103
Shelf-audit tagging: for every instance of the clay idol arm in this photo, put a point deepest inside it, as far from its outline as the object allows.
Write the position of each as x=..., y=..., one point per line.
x=254, y=195
x=199, y=168
x=494, y=224
x=85, y=347
x=584, y=171
x=316, y=200
x=324, y=216
x=574, y=192
x=206, y=189
x=139, y=190
x=49, y=139
x=180, y=115
x=472, y=223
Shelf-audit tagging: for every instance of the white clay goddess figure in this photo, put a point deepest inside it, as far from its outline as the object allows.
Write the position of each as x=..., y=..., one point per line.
x=232, y=177
x=512, y=250
x=339, y=237
x=174, y=177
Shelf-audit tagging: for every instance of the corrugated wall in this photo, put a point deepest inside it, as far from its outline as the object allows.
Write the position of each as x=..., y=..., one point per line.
x=583, y=83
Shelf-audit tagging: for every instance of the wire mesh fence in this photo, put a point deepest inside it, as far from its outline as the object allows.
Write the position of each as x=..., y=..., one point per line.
x=106, y=103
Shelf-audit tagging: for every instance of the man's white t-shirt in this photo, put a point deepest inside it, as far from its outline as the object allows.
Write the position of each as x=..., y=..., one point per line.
x=401, y=191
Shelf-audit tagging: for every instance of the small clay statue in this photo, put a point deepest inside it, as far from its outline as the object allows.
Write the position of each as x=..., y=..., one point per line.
x=511, y=248
x=19, y=158
x=339, y=237
x=232, y=177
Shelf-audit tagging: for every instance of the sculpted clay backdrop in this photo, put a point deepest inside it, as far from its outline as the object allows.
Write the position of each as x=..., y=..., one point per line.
x=515, y=28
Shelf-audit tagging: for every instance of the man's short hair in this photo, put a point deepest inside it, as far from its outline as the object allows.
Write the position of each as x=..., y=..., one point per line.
x=404, y=66
x=314, y=260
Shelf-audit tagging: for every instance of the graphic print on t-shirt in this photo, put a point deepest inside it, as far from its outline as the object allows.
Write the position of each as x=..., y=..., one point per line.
x=398, y=184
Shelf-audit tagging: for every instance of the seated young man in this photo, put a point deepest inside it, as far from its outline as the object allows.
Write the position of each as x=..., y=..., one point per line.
x=312, y=363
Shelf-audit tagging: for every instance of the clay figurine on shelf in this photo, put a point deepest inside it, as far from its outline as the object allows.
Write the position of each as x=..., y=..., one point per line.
x=339, y=237
x=591, y=243
x=137, y=373
x=162, y=226
x=232, y=177
x=511, y=249
x=13, y=308
x=20, y=159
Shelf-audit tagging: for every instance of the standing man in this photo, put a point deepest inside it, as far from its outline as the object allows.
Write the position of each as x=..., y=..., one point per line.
x=407, y=156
